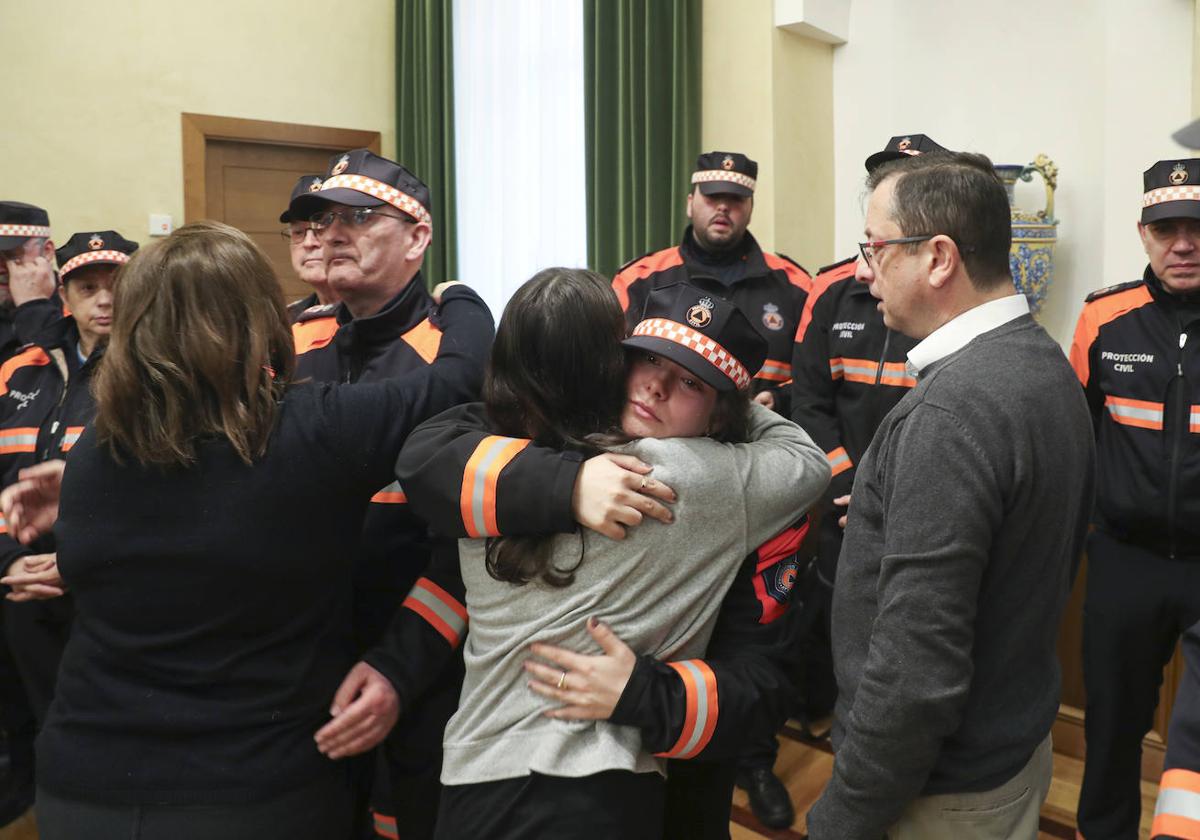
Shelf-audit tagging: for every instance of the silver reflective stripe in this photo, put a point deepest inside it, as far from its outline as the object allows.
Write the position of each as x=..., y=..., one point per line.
x=19, y=440
x=774, y=369
x=837, y=460
x=1195, y=420
x=1178, y=803
x=394, y=487
x=440, y=608
x=862, y=370
x=1151, y=414
x=836, y=367
x=701, y=709
x=493, y=452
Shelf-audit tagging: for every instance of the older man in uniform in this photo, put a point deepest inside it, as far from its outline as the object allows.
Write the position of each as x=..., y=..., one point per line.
x=304, y=246
x=847, y=374
x=26, y=274
x=1137, y=352
x=969, y=511
x=372, y=217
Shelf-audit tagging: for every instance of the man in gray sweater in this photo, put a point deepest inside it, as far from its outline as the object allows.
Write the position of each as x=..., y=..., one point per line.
x=968, y=515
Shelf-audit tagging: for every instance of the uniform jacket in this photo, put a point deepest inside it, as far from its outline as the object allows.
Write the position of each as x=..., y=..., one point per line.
x=45, y=402
x=406, y=336
x=769, y=288
x=475, y=484
x=1137, y=352
x=848, y=369
x=298, y=307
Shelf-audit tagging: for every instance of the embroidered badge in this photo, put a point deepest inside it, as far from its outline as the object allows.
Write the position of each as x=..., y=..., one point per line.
x=1178, y=175
x=95, y=243
x=727, y=163
x=700, y=314
x=340, y=166
x=771, y=318
x=315, y=185
x=903, y=145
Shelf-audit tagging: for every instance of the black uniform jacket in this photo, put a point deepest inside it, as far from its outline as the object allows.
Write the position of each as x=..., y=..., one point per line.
x=470, y=483
x=1137, y=352
x=848, y=370
x=407, y=335
x=769, y=288
x=45, y=402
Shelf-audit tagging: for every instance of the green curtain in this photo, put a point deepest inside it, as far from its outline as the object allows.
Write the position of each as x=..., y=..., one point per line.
x=425, y=119
x=642, y=106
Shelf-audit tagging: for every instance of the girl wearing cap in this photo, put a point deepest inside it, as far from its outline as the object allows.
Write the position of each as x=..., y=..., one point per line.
x=510, y=770
x=45, y=401
x=211, y=631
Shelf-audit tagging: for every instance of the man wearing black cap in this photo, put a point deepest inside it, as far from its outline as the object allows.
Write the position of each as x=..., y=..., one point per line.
x=372, y=217
x=969, y=512
x=304, y=244
x=1137, y=352
x=26, y=273
x=847, y=373
x=721, y=256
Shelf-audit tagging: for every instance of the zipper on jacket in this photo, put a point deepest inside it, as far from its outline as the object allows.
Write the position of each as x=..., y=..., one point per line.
x=48, y=453
x=1182, y=410
x=887, y=339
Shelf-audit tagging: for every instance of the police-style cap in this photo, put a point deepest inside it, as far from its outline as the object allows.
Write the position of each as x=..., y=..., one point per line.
x=706, y=334
x=20, y=221
x=904, y=145
x=725, y=172
x=1171, y=189
x=105, y=247
x=304, y=185
x=362, y=178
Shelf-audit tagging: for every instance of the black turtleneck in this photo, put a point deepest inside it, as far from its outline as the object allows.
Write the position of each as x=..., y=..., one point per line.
x=728, y=266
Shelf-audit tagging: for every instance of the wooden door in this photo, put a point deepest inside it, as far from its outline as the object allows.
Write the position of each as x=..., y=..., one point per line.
x=1068, y=730
x=241, y=172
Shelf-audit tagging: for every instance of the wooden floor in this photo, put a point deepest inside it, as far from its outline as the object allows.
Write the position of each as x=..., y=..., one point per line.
x=805, y=767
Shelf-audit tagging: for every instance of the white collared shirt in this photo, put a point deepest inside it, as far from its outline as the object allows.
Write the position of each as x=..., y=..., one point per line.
x=960, y=330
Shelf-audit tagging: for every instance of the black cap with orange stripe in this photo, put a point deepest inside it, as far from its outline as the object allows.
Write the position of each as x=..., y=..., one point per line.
x=20, y=221
x=1171, y=190
x=708, y=335
x=305, y=184
x=904, y=145
x=361, y=178
x=725, y=172
x=105, y=247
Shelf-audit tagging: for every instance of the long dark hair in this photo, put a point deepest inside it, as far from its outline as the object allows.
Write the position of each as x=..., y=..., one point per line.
x=200, y=347
x=556, y=375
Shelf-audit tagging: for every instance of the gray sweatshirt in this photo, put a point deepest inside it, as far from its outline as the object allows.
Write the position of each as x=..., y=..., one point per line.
x=659, y=589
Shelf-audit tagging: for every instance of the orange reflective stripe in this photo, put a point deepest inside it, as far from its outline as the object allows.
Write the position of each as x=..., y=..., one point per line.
x=29, y=356
x=71, y=437
x=839, y=460
x=1195, y=419
x=18, y=440
x=385, y=826
x=643, y=268
x=390, y=495
x=1177, y=812
x=700, y=719
x=1095, y=315
x=1170, y=825
x=310, y=335
x=775, y=371
x=896, y=373
x=820, y=285
x=426, y=339
x=438, y=607
x=477, y=500
x=796, y=275
x=1140, y=413
x=3, y=524
x=855, y=370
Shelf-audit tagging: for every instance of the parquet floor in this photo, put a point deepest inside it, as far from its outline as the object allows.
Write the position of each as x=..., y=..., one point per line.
x=805, y=768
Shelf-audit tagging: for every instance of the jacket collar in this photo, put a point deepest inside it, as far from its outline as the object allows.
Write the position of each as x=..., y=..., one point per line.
x=398, y=316
x=748, y=250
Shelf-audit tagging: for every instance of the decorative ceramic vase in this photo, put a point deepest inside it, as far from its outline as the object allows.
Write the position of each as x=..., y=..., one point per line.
x=1033, y=234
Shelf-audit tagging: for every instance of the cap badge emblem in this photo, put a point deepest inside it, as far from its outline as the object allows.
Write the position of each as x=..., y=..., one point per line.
x=95, y=243
x=700, y=314
x=771, y=318
x=903, y=145
x=1178, y=175
x=340, y=166
x=315, y=185
x=727, y=163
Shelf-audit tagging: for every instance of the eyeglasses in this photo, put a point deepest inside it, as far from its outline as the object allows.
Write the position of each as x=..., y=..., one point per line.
x=355, y=218
x=296, y=231
x=868, y=249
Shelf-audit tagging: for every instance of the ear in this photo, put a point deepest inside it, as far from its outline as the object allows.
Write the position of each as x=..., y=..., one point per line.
x=422, y=235
x=689, y=202
x=944, y=260
x=48, y=250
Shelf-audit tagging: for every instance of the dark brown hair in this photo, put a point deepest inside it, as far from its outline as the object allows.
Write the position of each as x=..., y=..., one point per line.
x=957, y=194
x=200, y=348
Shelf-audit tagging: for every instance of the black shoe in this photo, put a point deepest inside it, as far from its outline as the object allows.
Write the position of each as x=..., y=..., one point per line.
x=769, y=799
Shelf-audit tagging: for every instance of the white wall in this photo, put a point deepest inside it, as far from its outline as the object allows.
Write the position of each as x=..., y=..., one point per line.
x=1098, y=85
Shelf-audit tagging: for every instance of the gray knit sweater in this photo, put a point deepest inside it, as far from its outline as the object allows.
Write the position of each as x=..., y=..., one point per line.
x=659, y=590
x=967, y=519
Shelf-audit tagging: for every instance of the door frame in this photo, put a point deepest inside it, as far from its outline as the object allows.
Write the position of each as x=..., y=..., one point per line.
x=198, y=129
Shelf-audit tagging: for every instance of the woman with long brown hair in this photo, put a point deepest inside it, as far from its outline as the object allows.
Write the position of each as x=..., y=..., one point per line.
x=212, y=628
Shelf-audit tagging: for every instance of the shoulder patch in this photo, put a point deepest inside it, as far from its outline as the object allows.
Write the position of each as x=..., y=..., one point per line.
x=1112, y=290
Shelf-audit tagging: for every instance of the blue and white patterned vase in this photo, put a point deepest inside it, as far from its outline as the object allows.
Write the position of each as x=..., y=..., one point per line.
x=1033, y=233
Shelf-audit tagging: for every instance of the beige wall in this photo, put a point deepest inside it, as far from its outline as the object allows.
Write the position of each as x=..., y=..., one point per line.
x=769, y=93
x=91, y=128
